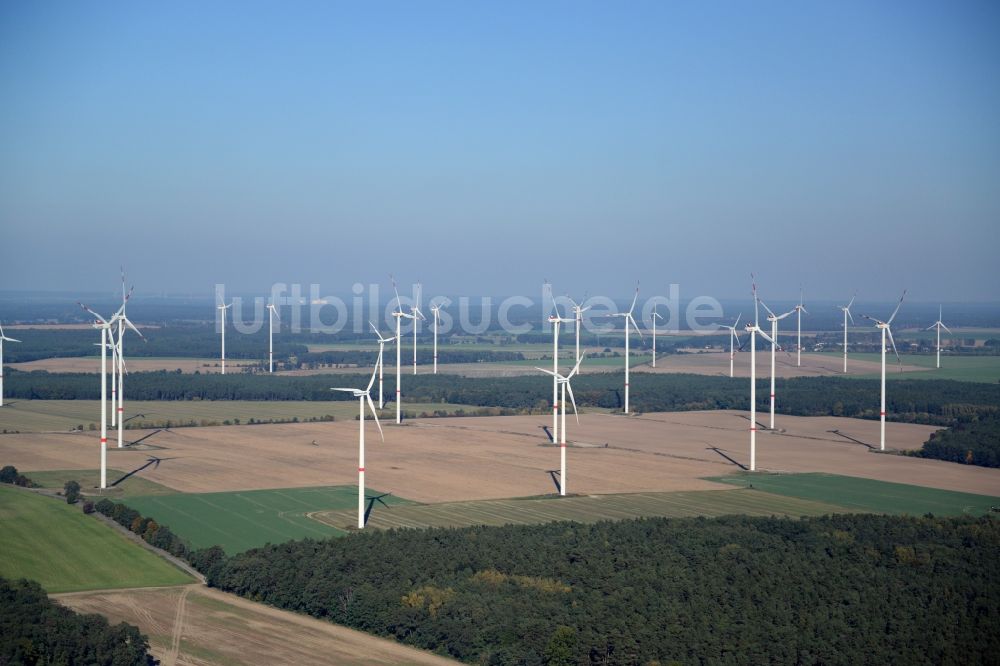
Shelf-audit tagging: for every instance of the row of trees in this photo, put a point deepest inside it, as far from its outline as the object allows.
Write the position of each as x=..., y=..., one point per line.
x=925, y=401
x=9, y=474
x=151, y=532
x=36, y=630
x=736, y=590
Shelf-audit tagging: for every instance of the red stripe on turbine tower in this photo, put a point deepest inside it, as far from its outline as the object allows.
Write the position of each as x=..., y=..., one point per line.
x=361, y=469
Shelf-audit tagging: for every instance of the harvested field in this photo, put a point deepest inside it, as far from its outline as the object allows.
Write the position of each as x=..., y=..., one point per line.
x=62, y=415
x=133, y=364
x=200, y=626
x=813, y=365
x=454, y=459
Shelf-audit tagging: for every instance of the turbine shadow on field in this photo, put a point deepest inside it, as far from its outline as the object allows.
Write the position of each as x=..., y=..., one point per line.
x=760, y=426
x=548, y=433
x=728, y=457
x=144, y=437
x=153, y=460
x=852, y=439
x=555, y=474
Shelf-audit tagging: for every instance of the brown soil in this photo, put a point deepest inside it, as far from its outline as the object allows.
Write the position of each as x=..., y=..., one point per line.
x=199, y=626
x=451, y=459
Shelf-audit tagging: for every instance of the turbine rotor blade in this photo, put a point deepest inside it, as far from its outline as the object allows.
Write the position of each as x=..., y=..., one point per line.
x=569, y=389
x=898, y=305
x=371, y=406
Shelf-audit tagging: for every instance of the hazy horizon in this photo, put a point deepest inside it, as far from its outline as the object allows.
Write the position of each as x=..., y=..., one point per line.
x=480, y=149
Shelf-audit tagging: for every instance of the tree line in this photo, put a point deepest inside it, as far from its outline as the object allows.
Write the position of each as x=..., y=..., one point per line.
x=37, y=630
x=940, y=402
x=972, y=443
x=873, y=589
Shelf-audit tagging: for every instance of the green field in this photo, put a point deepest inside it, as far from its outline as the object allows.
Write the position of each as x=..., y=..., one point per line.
x=238, y=521
x=65, y=415
x=866, y=495
x=49, y=541
x=960, y=368
x=586, y=509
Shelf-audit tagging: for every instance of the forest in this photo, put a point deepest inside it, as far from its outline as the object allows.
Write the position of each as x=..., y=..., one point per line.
x=737, y=590
x=972, y=443
x=36, y=630
x=936, y=402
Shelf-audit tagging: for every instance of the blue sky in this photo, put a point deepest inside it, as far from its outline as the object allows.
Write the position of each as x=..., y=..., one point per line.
x=481, y=147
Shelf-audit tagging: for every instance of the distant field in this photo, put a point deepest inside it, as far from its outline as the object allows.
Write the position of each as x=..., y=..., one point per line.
x=63, y=415
x=960, y=368
x=866, y=495
x=120, y=484
x=586, y=509
x=958, y=334
x=238, y=521
x=56, y=544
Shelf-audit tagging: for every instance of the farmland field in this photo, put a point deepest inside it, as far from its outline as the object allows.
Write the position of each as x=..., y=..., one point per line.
x=63, y=549
x=197, y=626
x=65, y=415
x=238, y=521
x=868, y=495
x=586, y=509
x=960, y=368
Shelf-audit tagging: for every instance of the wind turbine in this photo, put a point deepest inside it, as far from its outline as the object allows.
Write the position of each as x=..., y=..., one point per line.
x=381, y=362
x=555, y=320
x=734, y=339
x=436, y=313
x=3, y=338
x=118, y=359
x=104, y=326
x=754, y=329
x=222, y=307
x=399, y=315
x=578, y=311
x=654, y=317
x=798, y=310
x=774, y=319
x=363, y=396
x=415, y=313
x=627, y=316
x=272, y=313
x=847, y=313
x=939, y=324
x=884, y=326
x=563, y=382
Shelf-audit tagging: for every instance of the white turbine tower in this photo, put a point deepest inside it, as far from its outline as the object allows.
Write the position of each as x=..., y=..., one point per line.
x=799, y=309
x=754, y=330
x=654, y=317
x=363, y=396
x=104, y=326
x=847, y=313
x=415, y=313
x=381, y=362
x=734, y=341
x=436, y=313
x=939, y=324
x=399, y=315
x=884, y=326
x=3, y=338
x=774, y=319
x=222, y=307
x=556, y=320
x=118, y=359
x=627, y=316
x=564, y=383
x=272, y=314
